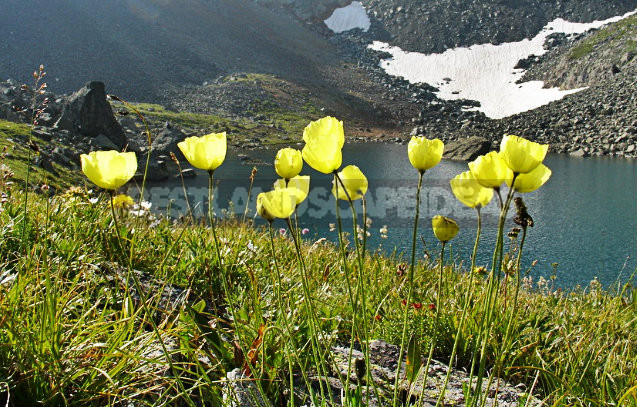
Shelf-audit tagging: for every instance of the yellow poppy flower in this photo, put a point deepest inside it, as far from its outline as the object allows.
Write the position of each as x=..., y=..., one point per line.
x=109, y=169
x=444, y=228
x=522, y=155
x=531, y=181
x=288, y=163
x=355, y=183
x=424, y=153
x=261, y=209
x=469, y=191
x=490, y=170
x=324, y=139
x=279, y=203
x=205, y=152
x=299, y=185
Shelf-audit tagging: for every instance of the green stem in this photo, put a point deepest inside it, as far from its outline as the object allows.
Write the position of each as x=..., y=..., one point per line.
x=144, y=303
x=410, y=290
x=352, y=299
x=312, y=317
x=464, y=311
x=283, y=309
x=360, y=252
x=222, y=273
x=434, y=339
x=493, y=288
x=183, y=187
x=511, y=322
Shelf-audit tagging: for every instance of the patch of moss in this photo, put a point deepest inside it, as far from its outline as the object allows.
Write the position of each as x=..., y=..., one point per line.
x=614, y=32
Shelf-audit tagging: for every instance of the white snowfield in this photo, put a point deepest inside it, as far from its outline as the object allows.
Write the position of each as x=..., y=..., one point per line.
x=349, y=17
x=485, y=72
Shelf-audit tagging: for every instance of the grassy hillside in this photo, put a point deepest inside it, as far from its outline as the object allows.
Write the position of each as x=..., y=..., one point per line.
x=75, y=331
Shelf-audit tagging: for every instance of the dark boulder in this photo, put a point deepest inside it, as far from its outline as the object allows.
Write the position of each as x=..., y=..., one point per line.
x=88, y=112
x=467, y=149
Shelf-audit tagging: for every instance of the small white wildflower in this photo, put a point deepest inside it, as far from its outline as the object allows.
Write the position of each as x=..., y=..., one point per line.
x=146, y=205
x=332, y=227
x=93, y=201
x=383, y=232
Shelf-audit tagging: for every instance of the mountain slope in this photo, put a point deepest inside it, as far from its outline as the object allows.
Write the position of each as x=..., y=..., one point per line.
x=436, y=25
x=137, y=45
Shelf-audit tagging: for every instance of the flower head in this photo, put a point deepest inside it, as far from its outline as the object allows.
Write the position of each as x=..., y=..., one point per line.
x=531, y=181
x=424, y=153
x=444, y=228
x=469, y=191
x=299, y=185
x=354, y=181
x=109, y=169
x=521, y=155
x=490, y=170
x=324, y=139
x=279, y=203
x=288, y=163
x=205, y=152
x=261, y=210
x=123, y=201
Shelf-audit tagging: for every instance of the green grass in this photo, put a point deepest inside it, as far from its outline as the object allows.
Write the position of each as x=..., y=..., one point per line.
x=13, y=145
x=615, y=32
x=71, y=332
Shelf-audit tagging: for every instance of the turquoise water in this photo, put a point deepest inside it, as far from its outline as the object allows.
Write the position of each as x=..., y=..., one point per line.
x=585, y=216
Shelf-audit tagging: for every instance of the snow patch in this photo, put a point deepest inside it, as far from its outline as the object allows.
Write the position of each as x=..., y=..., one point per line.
x=485, y=72
x=348, y=18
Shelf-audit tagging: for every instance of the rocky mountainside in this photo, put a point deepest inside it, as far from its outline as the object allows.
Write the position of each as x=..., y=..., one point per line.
x=600, y=120
x=436, y=25
x=589, y=61
x=186, y=56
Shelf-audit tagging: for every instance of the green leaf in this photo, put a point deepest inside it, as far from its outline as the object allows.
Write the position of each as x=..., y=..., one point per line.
x=414, y=359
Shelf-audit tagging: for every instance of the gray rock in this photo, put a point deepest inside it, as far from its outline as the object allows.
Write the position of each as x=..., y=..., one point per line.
x=103, y=143
x=579, y=153
x=240, y=391
x=88, y=112
x=467, y=149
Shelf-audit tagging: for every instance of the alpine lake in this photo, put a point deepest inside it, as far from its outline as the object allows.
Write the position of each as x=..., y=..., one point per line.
x=585, y=216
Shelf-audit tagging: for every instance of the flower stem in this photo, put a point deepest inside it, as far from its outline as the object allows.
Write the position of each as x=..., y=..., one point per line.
x=496, y=267
x=309, y=304
x=410, y=290
x=464, y=310
x=434, y=339
x=283, y=310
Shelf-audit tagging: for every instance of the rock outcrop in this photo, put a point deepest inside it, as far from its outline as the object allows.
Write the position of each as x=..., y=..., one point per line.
x=88, y=113
x=467, y=149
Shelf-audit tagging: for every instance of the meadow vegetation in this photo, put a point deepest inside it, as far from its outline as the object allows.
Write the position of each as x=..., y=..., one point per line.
x=104, y=303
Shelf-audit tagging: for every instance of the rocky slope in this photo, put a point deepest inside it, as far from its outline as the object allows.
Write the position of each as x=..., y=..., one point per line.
x=591, y=60
x=194, y=57
x=600, y=120
x=437, y=25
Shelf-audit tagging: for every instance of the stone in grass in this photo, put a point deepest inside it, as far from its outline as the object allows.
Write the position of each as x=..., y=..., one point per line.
x=383, y=363
x=240, y=391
